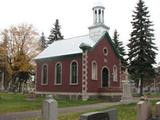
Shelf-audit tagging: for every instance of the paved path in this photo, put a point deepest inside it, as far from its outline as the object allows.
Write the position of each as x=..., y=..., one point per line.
x=29, y=114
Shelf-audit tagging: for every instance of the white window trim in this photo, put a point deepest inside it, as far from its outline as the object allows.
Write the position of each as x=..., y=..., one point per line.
x=92, y=70
x=42, y=74
x=108, y=77
x=55, y=81
x=115, y=79
x=70, y=82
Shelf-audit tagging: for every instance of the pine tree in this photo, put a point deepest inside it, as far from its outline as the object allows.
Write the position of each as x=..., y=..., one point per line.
x=43, y=41
x=142, y=50
x=120, y=48
x=55, y=33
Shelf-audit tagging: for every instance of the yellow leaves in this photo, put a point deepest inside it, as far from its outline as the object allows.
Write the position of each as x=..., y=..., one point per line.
x=20, y=44
x=22, y=62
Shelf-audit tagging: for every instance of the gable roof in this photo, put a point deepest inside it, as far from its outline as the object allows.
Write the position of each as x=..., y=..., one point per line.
x=72, y=46
x=112, y=45
x=65, y=47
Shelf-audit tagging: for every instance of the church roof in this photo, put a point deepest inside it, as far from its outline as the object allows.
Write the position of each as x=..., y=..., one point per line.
x=66, y=47
x=72, y=46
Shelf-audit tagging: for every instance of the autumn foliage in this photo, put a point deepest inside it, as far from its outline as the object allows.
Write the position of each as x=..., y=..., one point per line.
x=19, y=45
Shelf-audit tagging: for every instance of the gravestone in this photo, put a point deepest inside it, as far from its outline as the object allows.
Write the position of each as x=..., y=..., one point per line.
x=143, y=110
x=110, y=114
x=126, y=88
x=49, y=109
x=158, y=109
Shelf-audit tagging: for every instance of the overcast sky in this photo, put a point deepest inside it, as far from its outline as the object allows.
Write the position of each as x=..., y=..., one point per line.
x=75, y=16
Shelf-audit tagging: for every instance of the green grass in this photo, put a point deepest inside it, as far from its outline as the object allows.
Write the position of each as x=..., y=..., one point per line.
x=152, y=95
x=71, y=103
x=125, y=112
x=11, y=102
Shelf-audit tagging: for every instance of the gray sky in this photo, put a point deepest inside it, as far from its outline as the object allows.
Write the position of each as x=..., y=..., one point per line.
x=75, y=16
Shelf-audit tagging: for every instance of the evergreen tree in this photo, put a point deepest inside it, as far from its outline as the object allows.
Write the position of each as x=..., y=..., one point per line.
x=43, y=41
x=120, y=48
x=55, y=33
x=142, y=50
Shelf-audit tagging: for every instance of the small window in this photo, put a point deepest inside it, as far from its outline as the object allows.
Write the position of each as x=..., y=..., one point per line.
x=95, y=11
x=94, y=70
x=58, y=74
x=44, y=78
x=105, y=51
x=115, y=73
x=74, y=73
x=99, y=11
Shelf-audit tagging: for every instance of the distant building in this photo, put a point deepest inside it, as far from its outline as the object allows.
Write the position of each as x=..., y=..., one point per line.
x=82, y=67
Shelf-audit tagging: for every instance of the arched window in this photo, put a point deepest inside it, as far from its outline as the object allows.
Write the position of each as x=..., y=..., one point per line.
x=115, y=73
x=74, y=73
x=99, y=11
x=94, y=70
x=44, y=75
x=95, y=11
x=58, y=74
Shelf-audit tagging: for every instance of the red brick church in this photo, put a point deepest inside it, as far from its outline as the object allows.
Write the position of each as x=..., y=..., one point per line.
x=81, y=67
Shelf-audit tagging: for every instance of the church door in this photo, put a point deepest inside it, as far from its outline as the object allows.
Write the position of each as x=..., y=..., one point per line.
x=105, y=77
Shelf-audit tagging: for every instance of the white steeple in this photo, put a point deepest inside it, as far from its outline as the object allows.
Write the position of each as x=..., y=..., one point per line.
x=98, y=27
x=98, y=13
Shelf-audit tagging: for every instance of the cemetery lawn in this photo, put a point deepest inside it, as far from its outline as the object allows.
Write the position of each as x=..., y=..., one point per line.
x=125, y=112
x=15, y=102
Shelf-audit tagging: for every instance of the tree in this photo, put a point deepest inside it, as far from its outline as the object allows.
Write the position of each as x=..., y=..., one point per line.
x=120, y=48
x=55, y=33
x=20, y=44
x=43, y=42
x=2, y=65
x=142, y=50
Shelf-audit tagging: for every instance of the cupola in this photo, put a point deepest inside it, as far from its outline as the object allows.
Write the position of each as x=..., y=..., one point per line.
x=98, y=27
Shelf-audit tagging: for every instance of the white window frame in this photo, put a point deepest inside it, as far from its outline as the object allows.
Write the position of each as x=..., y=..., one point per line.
x=71, y=73
x=42, y=81
x=94, y=73
x=55, y=80
x=115, y=73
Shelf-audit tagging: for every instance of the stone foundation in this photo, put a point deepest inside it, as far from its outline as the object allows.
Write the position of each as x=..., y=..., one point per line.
x=114, y=97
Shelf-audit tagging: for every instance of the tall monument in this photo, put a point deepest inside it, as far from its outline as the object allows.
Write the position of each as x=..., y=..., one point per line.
x=126, y=88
